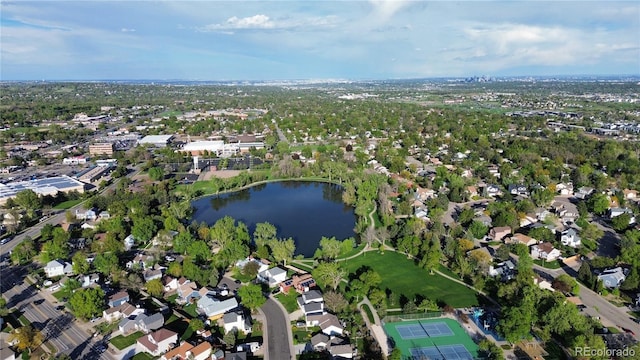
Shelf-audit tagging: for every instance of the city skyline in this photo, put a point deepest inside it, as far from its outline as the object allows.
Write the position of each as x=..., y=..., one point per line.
x=276, y=40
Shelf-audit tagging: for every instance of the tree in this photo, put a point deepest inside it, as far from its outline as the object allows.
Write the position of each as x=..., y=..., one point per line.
x=251, y=296
x=599, y=204
x=156, y=173
x=200, y=251
x=478, y=229
x=143, y=228
x=264, y=234
x=23, y=252
x=196, y=324
x=591, y=232
x=230, y=339
x=566, y=284
x=330, y=247
x=328, y=274
x=175, y=269
x=106, y=263
x=283, y=249
x=251, y=269
x=502, y=253
x=632, y=281
x=621, y=222
x=585, y=275
x=431, y=258
x=80, y=264
x=335, y=301
x=155, y=287
x=87, y=303
x=396, y=354
x=28, y=200
x=26, y=337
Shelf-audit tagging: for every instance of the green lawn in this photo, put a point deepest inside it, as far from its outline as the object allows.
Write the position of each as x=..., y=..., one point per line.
x=367, y=310
x=402, y=276
x=68, y=204
x=289, y=301
x=548, y=264
x=142, y=356
x=121, y=342
x=192, y=310
x=352, y=252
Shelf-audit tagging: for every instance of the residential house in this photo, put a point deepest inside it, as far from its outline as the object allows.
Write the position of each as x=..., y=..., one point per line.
x=584, y=192
x=141, y=261
x=484, y=219
x=329, y=323
x=188, y=351
x=262, y=265
x=518, y=190
x=423, y=194
x=170, y=283
x=152, y=274
x=612, y=278
x=214, y=308
x=86, y=215
x=545, y=251
x=58, y=268
x=241, y=355
x=236, y=320
x=472, y=191
x=273, y=276
x=89, y=280
x=494, y=170
x=542, y=213
x=615, y=212
x=499, y=233
x=129, y=242
x=421, y=212
x=506, y=270
x=118, y=299
x=122, y=311
x=564, y=188
x=164, y=238
x=248, y=347
x=630, y=194
x=157, y=342
x=141, y=322
x=104, y=215
x=320, y=342
x=523, y=239
x=187, y=292
x=493, y=190
x=300, y=283
x=542, y=283
x=570, y=237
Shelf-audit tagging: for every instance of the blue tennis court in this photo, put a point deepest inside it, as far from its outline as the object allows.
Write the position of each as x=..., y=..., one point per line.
x=442, y=352
x=437, y=329
x=413, y=331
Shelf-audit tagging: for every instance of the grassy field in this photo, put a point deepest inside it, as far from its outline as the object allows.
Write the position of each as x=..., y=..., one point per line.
x=121, y=342
x=142, y=356
x=402, y=276
x=367, y=310
x=68, y=204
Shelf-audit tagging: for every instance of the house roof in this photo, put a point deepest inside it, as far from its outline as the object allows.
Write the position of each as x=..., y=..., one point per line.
x=213, y=307
x=312, y=296
x=119, y=295
x=546, y=247
x=152, y=322
x=178, y=353
x=231, y=317
x=54, y=264
x=319, y=338
x=326, y=320
x=157, y=337
x=201, y=349
x=522, y=238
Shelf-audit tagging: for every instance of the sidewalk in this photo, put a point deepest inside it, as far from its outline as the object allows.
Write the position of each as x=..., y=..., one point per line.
x=376, y=328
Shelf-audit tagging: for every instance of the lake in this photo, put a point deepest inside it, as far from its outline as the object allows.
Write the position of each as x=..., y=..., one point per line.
x=304, y=211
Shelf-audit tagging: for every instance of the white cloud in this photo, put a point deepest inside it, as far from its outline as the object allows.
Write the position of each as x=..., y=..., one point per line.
x=385, y=9
x=125, y=30
x=264, y=22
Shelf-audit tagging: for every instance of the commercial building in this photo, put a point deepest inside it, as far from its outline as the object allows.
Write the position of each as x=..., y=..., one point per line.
x=156, y=140
x=47, y=186
x=93, y=174
x=101, y=149
x=76, y=160
x=216, y=147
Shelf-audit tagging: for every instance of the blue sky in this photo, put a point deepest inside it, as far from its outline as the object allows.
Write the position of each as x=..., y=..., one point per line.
x=268, y=40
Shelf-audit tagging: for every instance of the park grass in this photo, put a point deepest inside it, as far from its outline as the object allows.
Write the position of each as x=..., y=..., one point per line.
x=403, y=277
x=289, y=301
x=122, y=342
x=351, y=252
x=68, y=204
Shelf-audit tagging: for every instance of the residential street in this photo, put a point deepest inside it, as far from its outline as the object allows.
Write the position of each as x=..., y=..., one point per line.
x=278, y=336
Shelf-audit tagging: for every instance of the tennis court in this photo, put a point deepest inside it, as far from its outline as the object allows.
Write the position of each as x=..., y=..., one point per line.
x=434, y=339
x=444, y=352
x=421, y=330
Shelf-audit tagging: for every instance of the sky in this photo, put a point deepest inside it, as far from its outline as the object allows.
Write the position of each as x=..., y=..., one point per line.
x=287, y=39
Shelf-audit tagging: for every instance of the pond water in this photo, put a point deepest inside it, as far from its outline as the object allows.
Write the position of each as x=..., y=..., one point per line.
x=304, y=211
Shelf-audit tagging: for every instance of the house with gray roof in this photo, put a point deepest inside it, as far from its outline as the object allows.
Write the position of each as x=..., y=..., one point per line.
x=214, y=308
x=612, y=278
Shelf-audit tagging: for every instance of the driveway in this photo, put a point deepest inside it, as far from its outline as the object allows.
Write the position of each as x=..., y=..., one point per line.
x=278, y=332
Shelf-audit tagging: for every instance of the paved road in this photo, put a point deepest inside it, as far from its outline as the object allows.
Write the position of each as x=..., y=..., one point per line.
x=59, y=328
x=610, y=315
x=278, y=332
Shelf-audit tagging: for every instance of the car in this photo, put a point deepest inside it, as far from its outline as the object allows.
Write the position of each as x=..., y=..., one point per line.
x=38, y=302
x=60, y=307
x=95, y=319
x=238, y=282
x=4, y=241
x=637, y=321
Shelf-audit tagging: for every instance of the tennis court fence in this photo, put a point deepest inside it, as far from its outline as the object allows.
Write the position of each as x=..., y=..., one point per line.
x=408, y=317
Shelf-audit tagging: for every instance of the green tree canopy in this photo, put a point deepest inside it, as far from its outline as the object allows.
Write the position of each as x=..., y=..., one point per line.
x=251, y=296
x=87, y=303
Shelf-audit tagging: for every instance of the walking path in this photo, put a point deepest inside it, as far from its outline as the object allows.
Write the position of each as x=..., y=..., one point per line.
x=376, y=328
